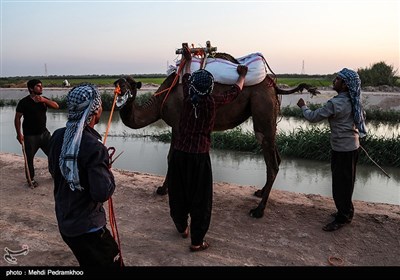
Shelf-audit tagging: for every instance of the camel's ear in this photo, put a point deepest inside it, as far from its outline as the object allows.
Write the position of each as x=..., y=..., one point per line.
x=138, y=85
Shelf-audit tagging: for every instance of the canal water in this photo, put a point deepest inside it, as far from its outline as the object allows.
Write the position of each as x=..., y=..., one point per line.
x=296, y=175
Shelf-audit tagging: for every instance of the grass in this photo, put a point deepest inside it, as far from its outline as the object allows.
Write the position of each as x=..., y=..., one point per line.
x=312, y=143
x=371, y=114
x=4, y=102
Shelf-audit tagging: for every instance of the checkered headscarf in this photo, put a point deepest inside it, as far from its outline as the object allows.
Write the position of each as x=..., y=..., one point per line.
x=83, y=101
x=201, y=82
x=353, y=83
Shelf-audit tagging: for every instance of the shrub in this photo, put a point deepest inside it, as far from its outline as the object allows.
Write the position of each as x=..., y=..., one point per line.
x=377, y=75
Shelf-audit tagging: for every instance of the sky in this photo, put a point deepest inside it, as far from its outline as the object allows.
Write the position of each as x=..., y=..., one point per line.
x=140, y=37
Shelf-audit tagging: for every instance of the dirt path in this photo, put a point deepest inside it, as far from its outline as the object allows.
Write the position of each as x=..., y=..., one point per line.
x=289, y=234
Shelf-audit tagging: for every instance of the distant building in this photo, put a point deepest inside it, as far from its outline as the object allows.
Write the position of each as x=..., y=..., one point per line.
x=65, y=83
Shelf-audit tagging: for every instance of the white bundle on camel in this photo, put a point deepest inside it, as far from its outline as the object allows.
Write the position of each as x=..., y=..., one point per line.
x=224, y=71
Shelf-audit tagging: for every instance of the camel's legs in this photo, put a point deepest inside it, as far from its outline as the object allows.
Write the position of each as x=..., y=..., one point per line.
x=264, y=120
x=272, y=161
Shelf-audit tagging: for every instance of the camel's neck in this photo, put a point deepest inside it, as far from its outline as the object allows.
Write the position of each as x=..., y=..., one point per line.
x=137, y=116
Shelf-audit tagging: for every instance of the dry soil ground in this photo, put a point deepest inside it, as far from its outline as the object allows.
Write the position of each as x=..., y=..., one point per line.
x=289, y=234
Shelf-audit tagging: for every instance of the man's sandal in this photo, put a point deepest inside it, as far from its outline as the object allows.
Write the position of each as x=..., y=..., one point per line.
x=33, y=184
x=201, y=247
x=185, y=234
x=333, y=226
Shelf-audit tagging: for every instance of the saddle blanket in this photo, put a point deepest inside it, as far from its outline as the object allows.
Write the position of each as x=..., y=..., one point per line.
x=224, y=71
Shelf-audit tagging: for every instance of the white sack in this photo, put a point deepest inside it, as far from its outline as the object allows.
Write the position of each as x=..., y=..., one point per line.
x=224, y=71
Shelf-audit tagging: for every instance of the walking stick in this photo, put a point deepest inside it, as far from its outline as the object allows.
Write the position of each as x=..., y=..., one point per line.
x=111, y=213
x=27, y=172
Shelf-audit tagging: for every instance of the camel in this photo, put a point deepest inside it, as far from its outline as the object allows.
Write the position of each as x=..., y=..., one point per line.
x=260, y=101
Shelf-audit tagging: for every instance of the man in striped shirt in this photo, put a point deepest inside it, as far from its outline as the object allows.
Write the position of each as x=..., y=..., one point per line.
x=190, y=182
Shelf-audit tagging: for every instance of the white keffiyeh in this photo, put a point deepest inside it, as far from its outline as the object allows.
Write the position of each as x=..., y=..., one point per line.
x=83, y=101
x=353, y=83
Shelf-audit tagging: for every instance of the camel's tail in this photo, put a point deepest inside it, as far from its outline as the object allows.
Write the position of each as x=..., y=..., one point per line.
x=279, y=92
x=311, y=89
x=299, y=88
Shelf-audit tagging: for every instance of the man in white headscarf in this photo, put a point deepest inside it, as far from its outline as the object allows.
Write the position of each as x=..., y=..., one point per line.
x=347, y=125
x=79, y=165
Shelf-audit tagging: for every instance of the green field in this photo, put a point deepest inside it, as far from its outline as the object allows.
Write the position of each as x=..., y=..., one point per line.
x=57, y=81
x=317, y=82
x=107, y=81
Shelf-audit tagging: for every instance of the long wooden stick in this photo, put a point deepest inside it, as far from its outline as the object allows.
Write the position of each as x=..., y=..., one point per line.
x=110, y=118
x=374, y=161
x=28, y=174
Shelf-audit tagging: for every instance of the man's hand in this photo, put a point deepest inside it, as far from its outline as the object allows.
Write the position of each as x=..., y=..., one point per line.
x=20, y=138
x=301, y=102
x=242, y=70
x=38, y=99
x=111, y=152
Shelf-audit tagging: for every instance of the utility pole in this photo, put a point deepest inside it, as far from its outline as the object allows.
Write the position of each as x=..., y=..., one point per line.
x=45, y=69
x=302, y=69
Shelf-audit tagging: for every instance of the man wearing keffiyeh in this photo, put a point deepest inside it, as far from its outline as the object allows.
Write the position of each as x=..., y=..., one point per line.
x=347, y=124
x=83, y=102
x=353, y=83
x=79, y=165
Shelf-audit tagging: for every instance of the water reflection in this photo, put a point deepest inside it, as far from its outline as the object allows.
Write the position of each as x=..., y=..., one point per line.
x=295, y=175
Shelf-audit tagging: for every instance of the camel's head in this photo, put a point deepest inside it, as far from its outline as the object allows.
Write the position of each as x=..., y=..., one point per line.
x=126, y=88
